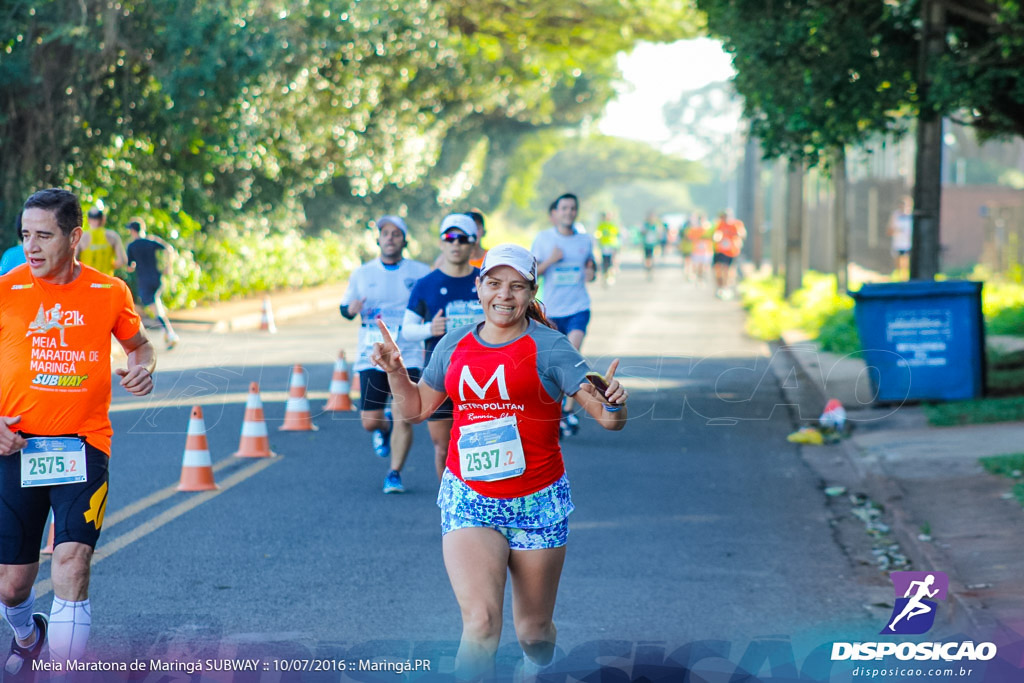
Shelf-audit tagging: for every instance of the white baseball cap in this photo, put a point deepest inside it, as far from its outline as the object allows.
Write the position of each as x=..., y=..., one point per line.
x=395, y=221
x=460, y=221
x=511, y=255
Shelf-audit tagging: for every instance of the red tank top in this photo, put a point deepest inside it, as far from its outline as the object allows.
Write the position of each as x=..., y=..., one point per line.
x=489, y=383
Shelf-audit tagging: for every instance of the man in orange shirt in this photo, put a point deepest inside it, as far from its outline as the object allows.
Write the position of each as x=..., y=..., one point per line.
x=728, y=238
x=56, y=318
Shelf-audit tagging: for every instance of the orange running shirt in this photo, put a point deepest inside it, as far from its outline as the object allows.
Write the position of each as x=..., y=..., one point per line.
x=727, y=238
x=55, y=352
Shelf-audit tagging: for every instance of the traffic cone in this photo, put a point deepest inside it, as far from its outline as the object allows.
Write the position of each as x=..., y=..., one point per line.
x=196, y=467
x=254, y=442
x=48, y=550
x=341, y=386
x=267, y=319
x=296, y=412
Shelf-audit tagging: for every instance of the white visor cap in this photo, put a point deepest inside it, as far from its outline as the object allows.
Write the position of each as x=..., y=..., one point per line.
x=461, y=222
x=511, y=255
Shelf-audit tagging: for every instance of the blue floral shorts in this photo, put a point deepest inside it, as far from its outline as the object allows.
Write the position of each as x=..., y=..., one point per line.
x=539, y=520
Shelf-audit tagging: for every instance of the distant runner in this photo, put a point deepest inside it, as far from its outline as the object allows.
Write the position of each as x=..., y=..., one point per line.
x=608, y=238
x=142, y=251
x=100, y=247
x=380, y=289
x=728, y=238
x=565, y=259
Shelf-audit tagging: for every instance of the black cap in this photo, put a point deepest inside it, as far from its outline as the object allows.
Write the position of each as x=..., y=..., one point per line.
x=95, y=213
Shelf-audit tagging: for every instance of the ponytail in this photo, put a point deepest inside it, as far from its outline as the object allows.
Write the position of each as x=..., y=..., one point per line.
x=535, y=311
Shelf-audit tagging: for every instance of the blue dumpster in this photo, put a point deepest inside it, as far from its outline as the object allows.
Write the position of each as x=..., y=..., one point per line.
x=922, y=340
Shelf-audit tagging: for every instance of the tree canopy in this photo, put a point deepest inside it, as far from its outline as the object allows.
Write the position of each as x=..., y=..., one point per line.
x=817, y=75
x=316, y=112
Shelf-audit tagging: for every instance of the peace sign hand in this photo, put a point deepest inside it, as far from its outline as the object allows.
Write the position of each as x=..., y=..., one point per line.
x=386, y=355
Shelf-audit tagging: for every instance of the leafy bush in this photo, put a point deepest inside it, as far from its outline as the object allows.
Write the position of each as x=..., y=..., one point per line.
x=231, y=263
x=815, y=309
x=838, y=333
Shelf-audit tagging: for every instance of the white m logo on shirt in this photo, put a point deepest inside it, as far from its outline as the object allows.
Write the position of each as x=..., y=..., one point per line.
x=467, y=378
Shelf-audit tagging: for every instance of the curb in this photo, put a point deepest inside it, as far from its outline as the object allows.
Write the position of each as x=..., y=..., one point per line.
x=252, y=321
x=889, y=493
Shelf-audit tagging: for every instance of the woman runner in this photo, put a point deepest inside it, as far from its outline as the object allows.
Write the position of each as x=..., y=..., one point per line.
x=504, y=498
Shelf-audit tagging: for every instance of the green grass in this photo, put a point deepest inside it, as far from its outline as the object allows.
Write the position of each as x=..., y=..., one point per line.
x=1011, y=466
x=1004, y=382
x=1004, y=465
x=979, y=411
x=819, y=311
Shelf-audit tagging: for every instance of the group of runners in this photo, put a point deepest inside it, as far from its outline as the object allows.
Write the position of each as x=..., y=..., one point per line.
x=706, y=248
x=499, y=378
x=421, y=304
x=102, y=249
x=466, y=346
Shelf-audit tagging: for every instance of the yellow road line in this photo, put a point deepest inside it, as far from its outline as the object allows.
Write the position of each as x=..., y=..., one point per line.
x=210, y=400
x=147, y=502
x=108, y=549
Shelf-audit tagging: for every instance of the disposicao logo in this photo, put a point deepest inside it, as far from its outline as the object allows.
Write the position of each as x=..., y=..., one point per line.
x=917, y=594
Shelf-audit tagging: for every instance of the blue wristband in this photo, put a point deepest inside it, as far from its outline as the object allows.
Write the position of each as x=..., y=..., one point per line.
x=613, y=408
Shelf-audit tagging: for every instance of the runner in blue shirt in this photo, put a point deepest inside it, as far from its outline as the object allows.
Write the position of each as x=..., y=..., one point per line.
x=14, y=256
x=443, y=301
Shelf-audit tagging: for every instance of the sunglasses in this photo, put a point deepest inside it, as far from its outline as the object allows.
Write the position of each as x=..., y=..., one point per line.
x=451, y=238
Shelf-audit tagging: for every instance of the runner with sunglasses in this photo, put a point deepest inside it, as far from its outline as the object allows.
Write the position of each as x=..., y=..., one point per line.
x=442, y=301
x=504, y=498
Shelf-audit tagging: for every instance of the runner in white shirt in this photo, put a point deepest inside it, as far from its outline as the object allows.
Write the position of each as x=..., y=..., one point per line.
x=565, y=259
x=380, y=289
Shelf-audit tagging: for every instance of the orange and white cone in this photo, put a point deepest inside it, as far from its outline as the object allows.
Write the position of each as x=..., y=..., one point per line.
x=267, y=319
x=296, y=411
x=341, y=386
x=48, y=550
x=254, y=442
x=196, y=466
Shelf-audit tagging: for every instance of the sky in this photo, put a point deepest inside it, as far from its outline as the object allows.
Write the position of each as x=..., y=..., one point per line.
x=656, y=74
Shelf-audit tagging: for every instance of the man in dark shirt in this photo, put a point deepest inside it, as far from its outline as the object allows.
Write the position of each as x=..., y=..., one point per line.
x=142, y=261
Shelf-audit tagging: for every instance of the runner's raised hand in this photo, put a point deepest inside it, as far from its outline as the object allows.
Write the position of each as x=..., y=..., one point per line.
x=439, y=324
x=386, y=354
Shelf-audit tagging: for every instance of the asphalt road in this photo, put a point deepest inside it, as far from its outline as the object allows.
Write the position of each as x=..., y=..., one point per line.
x=698, y=528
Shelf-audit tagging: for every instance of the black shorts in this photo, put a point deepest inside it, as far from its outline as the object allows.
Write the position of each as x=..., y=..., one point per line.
x=444, y=411
x=374, y=389
x=722, y=258
x=148, y=293
x=78, y=509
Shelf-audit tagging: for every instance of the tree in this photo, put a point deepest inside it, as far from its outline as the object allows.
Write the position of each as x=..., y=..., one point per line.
x=818, y=76
x=273, y=113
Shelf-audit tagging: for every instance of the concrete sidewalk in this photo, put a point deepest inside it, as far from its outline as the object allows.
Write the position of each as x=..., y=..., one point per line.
x=946, y=511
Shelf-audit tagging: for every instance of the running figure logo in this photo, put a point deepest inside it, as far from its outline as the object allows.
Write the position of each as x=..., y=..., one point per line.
x=46, y=321
x=914, y=612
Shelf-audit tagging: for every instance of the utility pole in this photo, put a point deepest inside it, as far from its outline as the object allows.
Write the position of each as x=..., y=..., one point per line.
x=746, y=208
x=926, y=245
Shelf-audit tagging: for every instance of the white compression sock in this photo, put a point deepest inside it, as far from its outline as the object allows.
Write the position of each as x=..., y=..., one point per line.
x=20, y=616
x=69, y=629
